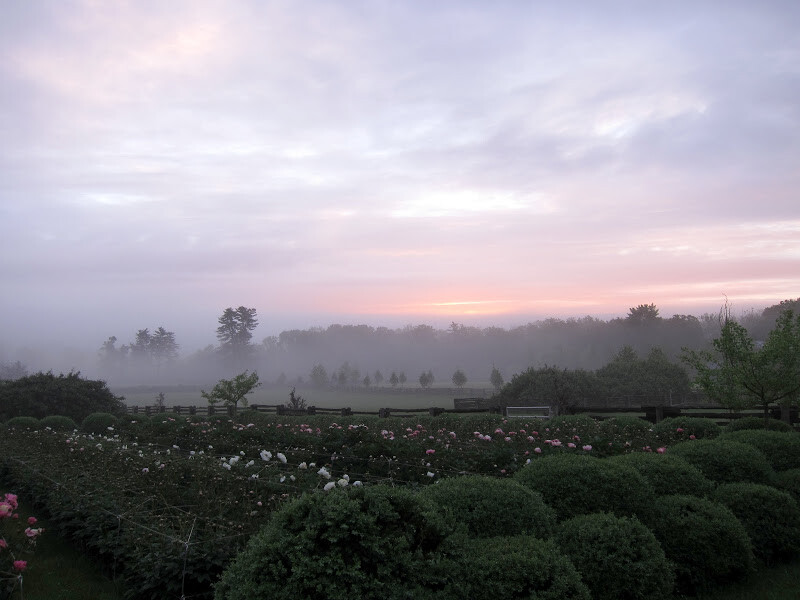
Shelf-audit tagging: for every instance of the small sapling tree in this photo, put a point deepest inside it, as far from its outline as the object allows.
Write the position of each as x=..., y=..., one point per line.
x=459, y=378
x=232, y=391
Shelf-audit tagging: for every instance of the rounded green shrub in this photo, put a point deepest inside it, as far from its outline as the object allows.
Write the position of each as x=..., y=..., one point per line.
x=678, y=428
x=22, y=423
x=519, y=567
x=623, y=426
x=757, y=423
x=366, y=542
x=618, y=558
x=704, y=539
x=770, y=516
x=98, y=423
x=570, y=425
x=669, y=474
x=782, y=449
x=576, y=484
x=491, y=507
x=725, y=461
x=58, y=423
x=789, y=481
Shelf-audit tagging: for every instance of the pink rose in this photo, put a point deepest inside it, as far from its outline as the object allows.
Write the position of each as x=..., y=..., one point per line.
x=20, y=565
x=31, y=520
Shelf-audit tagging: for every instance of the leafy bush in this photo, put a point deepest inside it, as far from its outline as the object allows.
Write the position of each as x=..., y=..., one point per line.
x=491, y=507
x=59, y=423
x=367, y=542
x=617, y=557
x=669, y=474
x=98, y=422
x=757, y=423
x=518, y=567
x=45, y=394
x=704, y=539
x=578, y=484
x=725, y=461
x=253, y=416
x=572, y=424
x=770, y=516
x=782, y=449
x=22, y=423
x=679, y=428
x=625, y=426
x=789, y=481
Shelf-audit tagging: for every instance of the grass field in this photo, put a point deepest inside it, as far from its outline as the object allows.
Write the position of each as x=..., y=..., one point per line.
x=358, y=399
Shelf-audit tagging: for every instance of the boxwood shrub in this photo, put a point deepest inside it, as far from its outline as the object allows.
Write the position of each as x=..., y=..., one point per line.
x=571, y=424
x=491, y=507
x=576, y=484
x=519, y=567
x=58, y=423
x=98, y=422
x=782, y=449
x=789, y=481
x=770, y=516
x=757, y=423
x=617, y=557
x=630, y=427
x=669, y=474
x=726, y=461
x=704, y=539
x=367, y=542
x=22, y=423
x=680, y=428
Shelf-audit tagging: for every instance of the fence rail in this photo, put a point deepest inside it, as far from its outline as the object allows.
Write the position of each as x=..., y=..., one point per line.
x=654, y=414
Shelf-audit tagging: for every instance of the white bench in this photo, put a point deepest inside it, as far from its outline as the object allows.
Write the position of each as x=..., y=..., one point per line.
x=528, y=412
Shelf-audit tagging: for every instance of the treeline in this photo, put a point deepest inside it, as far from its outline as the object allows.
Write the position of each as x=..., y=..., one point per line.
x=584, y=343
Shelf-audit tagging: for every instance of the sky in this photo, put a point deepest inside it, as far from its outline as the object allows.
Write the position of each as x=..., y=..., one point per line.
x=391, y=162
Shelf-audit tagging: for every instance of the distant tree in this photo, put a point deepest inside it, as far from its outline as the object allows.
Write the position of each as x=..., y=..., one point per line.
x=234, y=333
x=160, y=398
x=163, y=347
x=319, y=376
x=366, y=382
x=402, y=378
x=559, y=388
x=459, y=378
x=232, y=391
x=393, y=379
x=10, y=371
x=426, y=379
x=643, y=314
x=296, y=402
x=378, y=378
x=281, y=380
x=112, y=358
x=140, y=348
x=343, y=375
x=355, y=375
x=496, y=379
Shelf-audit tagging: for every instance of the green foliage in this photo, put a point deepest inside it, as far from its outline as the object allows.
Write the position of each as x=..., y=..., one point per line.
x=618, y=557
x=491, y=507
x=98, y=422
x=704, y=539
x=757, y=423
x=45, y=394
x=782, y=449
x=770, y=516
x=517, y=568
x=318, y=376
x=22, y=423
x=571, y=425
x=426, y=379
x=459, y=378
x=58, y=422
x=789, y=481
x=630, y=427
x=232, y=391
x=496, y=379
x=669, y=474
x=653, y=379
x=576, y=485
x=724, y=461
x=681, y=428
x=368, y=542
x=548, y=386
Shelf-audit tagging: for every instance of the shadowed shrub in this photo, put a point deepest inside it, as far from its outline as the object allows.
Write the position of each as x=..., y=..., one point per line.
x=618, y=557
x=578, y=484
x=770, y=516
x=725, y=461
x=98, y=423
x=679, y=428
x=22, y=423
x=757, y=423
x=58, y=423
x=491, y=507
x=668, y=474
x=789, y=481
x=782, y=449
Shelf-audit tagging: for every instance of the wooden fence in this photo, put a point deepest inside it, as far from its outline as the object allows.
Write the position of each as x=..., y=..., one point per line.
x=654, y=414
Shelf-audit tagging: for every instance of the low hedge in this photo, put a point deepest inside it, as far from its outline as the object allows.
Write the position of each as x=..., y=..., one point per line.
x=782, y=449
x=680, y=428
x=491, y=507
x=98, y=423
x=757, y=423
x=633, y=427
x=578, y=484
x=669, y=474
x=770, y=516
x=617, y=557
x=707, y=543
x=59, y=423
x=726, y=461
x=789, y=481
x=22, y=423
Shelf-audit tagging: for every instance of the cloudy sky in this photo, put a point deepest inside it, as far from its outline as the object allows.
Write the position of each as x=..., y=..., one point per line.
x=392, y=162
